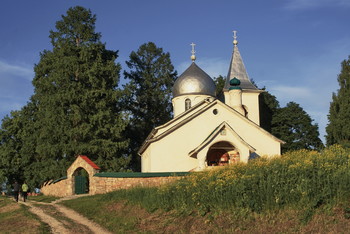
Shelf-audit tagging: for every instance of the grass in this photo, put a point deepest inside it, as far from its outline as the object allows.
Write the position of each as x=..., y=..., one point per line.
x=16, y=218
x=104, y=211
x=302, y=186
x=42, y=198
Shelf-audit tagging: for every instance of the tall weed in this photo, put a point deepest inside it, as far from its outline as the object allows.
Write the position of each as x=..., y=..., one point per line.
x=299, y=178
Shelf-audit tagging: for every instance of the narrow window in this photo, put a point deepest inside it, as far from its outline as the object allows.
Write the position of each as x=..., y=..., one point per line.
x=187, y=104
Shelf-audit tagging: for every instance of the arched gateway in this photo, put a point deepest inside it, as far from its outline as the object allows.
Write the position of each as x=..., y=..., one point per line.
x=80, y=173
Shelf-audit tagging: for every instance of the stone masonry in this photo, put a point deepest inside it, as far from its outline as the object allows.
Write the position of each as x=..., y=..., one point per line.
x=99, y=185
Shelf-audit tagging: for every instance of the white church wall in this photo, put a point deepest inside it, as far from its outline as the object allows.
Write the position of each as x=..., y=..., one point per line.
x=252, y=134
x=251, y=100
x=171, y=153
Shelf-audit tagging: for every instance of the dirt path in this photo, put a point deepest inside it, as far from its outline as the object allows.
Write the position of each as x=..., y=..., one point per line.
x=57, y=225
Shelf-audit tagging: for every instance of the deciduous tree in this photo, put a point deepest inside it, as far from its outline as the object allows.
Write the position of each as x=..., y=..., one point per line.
x=294, y=126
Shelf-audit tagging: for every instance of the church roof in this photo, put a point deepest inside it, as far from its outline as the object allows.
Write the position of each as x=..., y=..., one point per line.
x=194, y=81
x=237, y=69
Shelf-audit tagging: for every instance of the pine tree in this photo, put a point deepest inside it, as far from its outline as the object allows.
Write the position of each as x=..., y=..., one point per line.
x=148, y=92
x=76, y=91
x=338, y=129
x=294, y=126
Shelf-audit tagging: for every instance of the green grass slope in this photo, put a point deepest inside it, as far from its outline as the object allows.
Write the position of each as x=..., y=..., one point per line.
x=300, y=191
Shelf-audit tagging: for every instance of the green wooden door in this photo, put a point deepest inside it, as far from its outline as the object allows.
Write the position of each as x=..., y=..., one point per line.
x=80, y=184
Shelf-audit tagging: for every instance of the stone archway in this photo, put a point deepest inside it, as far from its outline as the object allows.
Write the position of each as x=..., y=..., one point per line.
x=222, y=153
x=80, y=175
x=81, y=181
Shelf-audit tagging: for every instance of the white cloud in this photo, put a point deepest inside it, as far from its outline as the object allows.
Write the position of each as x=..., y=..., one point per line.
x=15, y=87
x=307, y=4
x=7, y=69
x=289, y=92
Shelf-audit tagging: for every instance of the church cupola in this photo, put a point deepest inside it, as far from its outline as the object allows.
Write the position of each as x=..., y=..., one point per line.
x=245, y=96
x=235, y=96
x=192, y=87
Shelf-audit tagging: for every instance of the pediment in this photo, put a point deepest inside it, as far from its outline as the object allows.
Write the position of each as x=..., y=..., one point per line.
x=229, y=131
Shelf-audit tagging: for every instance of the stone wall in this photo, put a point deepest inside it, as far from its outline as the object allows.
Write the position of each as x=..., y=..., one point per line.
x=61, y=188
x=108, y=184
x=99, y=185
x=107, y=181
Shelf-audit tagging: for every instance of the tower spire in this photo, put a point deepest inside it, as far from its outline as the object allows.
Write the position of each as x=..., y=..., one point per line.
x=193, y=56
x=237, y=68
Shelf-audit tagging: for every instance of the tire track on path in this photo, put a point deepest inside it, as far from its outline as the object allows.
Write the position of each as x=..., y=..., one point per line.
x=56, y=225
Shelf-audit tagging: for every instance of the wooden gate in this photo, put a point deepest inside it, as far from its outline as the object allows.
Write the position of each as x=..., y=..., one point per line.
x=81, y=184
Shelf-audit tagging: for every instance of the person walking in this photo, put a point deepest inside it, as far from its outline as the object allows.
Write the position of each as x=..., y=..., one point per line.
x=16, y=190
x=25, y=189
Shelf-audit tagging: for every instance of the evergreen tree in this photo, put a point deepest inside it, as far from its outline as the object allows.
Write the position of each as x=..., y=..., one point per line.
x=148, y=93
x=338, y=129
x=294, y=126
x=219, y=83
x=77, y=97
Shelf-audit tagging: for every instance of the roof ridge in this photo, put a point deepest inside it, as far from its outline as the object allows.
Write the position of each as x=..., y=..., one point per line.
x=91, y=163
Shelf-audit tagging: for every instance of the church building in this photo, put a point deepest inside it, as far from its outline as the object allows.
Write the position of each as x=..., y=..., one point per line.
x=205, y=131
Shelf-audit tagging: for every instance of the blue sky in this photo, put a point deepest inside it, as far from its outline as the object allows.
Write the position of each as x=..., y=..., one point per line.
x=293, y=47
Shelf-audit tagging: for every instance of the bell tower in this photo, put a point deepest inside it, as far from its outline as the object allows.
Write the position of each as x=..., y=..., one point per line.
x=249, y=92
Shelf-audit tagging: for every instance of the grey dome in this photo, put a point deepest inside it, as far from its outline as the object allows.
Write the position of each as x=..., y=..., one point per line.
x=194, y=81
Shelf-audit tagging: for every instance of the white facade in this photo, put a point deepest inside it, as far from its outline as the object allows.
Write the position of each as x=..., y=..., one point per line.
x=205, y=131
x=184, y=143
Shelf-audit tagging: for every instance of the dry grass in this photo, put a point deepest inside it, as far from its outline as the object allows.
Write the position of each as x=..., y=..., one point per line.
x=133, y=218
x=15, y=218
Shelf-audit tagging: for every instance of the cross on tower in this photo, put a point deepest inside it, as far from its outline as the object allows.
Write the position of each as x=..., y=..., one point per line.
x=193, y=56
x=235, y=42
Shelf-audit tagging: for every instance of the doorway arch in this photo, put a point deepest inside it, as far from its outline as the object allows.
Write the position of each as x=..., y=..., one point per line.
x=221, y=153
x=81, y=181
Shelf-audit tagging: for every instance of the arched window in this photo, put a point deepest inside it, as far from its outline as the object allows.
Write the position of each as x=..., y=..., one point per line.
x=187, y=104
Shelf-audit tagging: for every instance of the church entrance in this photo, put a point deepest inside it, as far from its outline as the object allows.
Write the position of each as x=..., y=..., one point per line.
x=221, y=153
x=81, y=181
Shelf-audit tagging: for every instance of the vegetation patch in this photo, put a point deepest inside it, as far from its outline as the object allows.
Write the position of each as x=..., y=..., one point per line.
x=296, y=190
x=16, y=218
x=42, y=198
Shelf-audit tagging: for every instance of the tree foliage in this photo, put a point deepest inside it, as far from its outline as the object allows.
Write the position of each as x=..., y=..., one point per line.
x=75, y=108
x=268, y=106
x=291, y=123
x=294, y=126
x=148, y=92
x=219, y=83
x=17, y=148
x=338, y=129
